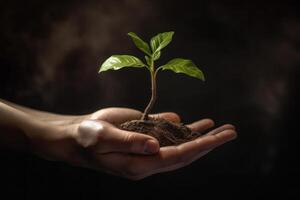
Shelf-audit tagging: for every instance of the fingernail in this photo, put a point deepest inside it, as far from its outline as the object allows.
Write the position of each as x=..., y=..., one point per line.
x=151, y=146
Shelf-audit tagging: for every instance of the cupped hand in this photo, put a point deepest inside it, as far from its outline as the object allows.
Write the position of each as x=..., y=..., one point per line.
x=136, y=156
x=95, y=141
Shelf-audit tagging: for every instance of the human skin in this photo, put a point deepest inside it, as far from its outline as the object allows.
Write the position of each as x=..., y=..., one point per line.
x=95, y=141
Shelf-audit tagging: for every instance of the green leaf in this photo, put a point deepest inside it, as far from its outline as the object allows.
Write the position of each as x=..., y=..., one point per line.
x=139, y=43
x=116, y=62
x=156, y=55
x=160, y=41
x=179, y=65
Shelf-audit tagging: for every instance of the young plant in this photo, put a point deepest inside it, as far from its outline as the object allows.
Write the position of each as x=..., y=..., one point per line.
x=153, y=53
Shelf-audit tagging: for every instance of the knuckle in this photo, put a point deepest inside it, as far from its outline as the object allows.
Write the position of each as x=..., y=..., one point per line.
x=89, y=132
x=130, y=139
x=100, y=114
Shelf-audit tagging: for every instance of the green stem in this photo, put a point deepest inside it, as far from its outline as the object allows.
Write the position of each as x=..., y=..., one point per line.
x=153, y=91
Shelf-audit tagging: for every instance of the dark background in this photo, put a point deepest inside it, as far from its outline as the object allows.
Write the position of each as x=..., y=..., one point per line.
x=50, y=52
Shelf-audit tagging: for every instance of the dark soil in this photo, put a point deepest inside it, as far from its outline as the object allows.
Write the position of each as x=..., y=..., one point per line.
x=166, y=132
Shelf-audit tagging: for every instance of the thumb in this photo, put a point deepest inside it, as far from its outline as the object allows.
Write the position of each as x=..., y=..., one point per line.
x=103, y=137
x=117, y=140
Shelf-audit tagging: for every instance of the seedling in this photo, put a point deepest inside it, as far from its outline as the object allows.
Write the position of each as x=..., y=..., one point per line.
x=152, y=54
x=157, y=43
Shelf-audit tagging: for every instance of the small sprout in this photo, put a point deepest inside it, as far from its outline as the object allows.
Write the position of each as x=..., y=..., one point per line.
x=153, y=53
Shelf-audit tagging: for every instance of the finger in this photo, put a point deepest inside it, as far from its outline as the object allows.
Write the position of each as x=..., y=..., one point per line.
x=170, y=116
x=125, y=165
x=201, y=125
x=173, y=157
x=171, y=167
x=116, y=115
x=169, y=158
x=220, y=129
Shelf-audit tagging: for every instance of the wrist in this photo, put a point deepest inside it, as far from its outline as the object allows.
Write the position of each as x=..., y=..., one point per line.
x=48, y=136
x=14, y=125
x=20, y=127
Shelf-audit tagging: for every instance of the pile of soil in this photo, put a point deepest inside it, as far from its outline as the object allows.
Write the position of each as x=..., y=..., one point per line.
x=166, y=132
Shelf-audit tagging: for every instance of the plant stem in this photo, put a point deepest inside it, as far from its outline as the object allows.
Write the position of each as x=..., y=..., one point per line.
x=153, y=96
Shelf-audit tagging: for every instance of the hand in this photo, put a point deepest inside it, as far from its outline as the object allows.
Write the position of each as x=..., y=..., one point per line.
x=94, y=141
x=125, y=153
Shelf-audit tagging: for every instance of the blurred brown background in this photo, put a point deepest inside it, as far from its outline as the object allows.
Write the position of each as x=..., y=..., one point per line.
x=50, y=52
